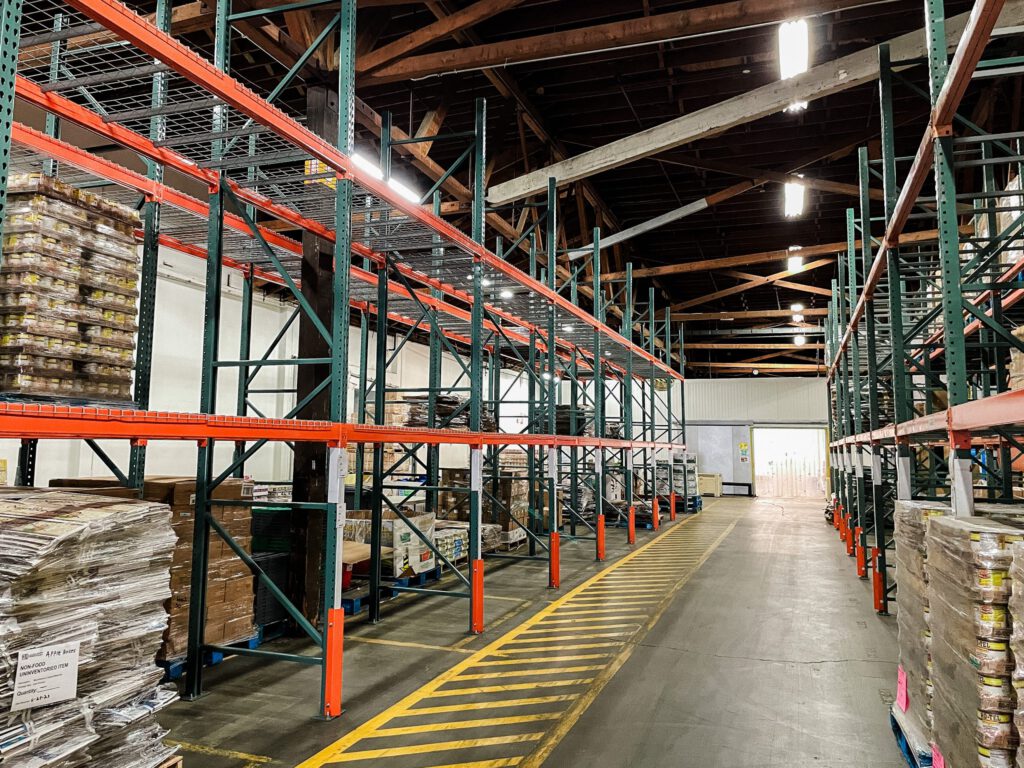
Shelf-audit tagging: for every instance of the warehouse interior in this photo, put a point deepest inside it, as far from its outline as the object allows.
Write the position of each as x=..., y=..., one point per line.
x=487, y=383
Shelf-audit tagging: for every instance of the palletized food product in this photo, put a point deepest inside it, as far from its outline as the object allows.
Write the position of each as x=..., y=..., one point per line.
x=913, y=616
x=969, y=586
x=90, y=573
x=68, y=293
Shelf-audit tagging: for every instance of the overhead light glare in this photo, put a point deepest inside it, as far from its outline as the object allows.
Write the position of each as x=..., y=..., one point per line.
x=506, y=293
x=407, y=192
x=797, y=307
x=486, y=282
x=794, y=48
x=367, y=166
x=799, y=340
x=798, y=318
x=794, y=200
x=755, y=371
x=793, y=263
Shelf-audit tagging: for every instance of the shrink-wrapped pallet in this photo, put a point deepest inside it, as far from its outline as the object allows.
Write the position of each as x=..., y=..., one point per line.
x=93, y=572
x=911, y=521
x=968, y=589
x=68, y=293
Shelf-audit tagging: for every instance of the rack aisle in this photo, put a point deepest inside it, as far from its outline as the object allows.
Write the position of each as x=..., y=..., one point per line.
x=371, y=256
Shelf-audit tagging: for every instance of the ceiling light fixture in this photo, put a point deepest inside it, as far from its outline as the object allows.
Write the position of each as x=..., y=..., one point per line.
x=793, y=263
x=794, y=199
x=799, y=340
x=368, y=166
x=797, y=307
x=798, y=318
x=794, y=54
x=506, y=293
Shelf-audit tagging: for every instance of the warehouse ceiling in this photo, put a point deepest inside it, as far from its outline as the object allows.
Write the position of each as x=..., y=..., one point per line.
x=562, y=77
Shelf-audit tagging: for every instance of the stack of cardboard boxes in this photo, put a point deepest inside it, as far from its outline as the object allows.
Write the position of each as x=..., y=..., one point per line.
x=229, y=591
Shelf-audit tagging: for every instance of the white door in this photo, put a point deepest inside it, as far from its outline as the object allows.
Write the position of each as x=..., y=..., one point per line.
x=789, y=463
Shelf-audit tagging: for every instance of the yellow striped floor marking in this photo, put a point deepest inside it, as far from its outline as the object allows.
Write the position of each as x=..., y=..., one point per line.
x=526, y=702
x=457, y=725
x=539, y=660
x=440, y=746
x=605, y=614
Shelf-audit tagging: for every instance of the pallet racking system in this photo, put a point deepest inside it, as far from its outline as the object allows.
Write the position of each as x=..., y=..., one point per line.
x=372, y=256
x=920, y=324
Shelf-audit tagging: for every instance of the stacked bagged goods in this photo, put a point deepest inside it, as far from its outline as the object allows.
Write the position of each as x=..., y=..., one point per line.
x=68, y=293
x=1016, y=367
x=968, y=588
x=1015, y=657
x=915, y=638
x=90, y=571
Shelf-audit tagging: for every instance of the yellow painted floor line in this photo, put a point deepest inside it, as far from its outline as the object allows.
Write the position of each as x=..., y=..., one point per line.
x=202, y=749
x=504, y=762
x=641, y=584
x=403, y=644
x=535, y=648
x=499, y=689
x=497, y=704
x=570, y=637
x=539, y=660
x=440, y=746
x=531, y=672
x=532, y=632
x=618, y=613
x=460, y=724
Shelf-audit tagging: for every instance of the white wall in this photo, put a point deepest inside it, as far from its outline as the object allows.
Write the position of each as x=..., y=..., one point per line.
x=757, y=400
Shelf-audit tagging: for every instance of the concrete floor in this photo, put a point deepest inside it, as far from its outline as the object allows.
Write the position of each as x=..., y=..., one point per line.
x=768, y=655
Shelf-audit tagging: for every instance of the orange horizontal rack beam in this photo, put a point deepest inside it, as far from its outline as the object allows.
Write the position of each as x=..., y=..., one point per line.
x=986, y=413
x=131, y=27
x=49, y=421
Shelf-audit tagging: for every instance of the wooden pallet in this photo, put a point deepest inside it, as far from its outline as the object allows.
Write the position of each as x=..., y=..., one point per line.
x=173, y=762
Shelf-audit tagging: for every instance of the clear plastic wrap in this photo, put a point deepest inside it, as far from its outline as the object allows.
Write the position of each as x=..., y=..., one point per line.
x=969, y=584
x=68, y=293
x=91, y=569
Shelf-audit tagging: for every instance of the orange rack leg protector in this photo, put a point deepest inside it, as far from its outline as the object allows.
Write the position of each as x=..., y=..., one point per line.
x=655, y=514
x=849, y=536
x=672, y=506
x=600, y=538
x=837, y=515
x=631, y=530
x=554, y=570
x=862, y=566
x=333, y=660
x=876, y=580
x=476, y=598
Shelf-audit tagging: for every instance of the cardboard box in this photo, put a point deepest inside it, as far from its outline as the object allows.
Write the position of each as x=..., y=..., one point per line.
x=408, y=553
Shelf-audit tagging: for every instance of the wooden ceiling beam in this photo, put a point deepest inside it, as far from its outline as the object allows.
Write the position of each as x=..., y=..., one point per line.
x=756, y=281
x=440, y=29
x=781, y=283
x=646, y=30
x=817, y=82
x=744, y=314
x=807, y=368
x=732, y=347
x=764, y=257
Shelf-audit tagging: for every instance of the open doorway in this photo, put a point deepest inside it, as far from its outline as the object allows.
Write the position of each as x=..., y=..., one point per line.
x=789, y=463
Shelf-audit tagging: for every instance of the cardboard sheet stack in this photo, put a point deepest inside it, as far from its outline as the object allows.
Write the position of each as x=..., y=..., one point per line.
x=915, y=639
x=68, y=293
x=90, y=570
x=1016, y=649
x=973, y=697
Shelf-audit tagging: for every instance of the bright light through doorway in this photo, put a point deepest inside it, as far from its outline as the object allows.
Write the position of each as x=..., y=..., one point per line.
x=789, y=462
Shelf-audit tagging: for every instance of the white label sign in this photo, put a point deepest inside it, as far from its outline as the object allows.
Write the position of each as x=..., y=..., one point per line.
x=46, y=675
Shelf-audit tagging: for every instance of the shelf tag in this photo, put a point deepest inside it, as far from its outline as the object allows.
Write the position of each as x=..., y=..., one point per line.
x=901, y=689
x=938, y=761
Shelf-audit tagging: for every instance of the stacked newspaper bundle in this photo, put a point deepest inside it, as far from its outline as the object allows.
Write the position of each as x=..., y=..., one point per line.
x=83, y=582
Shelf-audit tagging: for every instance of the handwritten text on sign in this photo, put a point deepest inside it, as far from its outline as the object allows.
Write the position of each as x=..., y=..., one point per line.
x=46, y=675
